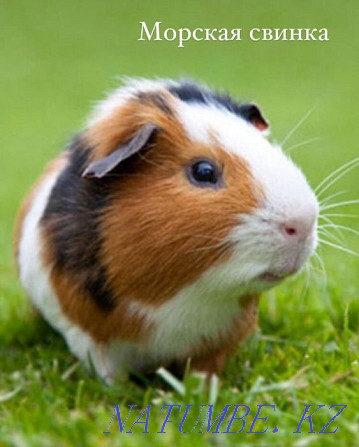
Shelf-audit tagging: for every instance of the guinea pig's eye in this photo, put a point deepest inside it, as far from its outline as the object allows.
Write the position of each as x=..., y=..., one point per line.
x=204, y=173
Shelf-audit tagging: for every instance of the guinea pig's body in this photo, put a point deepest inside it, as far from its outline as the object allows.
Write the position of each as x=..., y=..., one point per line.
x=149, y=240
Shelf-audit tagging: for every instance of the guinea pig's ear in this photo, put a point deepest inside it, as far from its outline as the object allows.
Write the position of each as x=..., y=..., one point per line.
x=251, y=113
x=100, y=168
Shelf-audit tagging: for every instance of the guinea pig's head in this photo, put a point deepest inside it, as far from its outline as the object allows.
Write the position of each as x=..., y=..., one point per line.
x=195, y=187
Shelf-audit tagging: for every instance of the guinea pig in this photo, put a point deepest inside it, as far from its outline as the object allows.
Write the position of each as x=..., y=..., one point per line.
x=150, y=238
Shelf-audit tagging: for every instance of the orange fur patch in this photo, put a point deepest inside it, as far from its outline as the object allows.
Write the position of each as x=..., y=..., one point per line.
x=80, y=309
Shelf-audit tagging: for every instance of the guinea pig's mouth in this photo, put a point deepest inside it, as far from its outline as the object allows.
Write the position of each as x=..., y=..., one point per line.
x=293, y=266
x=272, y=277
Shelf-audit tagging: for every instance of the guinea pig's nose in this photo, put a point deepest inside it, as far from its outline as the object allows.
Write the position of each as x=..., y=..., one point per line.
x=297, y=229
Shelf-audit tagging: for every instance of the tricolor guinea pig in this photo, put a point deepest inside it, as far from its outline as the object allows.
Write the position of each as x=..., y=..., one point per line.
x=150, y=238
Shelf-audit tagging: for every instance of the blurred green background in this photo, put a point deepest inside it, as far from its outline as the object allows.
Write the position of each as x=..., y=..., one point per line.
x=58, y=58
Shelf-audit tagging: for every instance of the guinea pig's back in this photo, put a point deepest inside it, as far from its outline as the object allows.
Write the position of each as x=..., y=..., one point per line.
x=28, y=241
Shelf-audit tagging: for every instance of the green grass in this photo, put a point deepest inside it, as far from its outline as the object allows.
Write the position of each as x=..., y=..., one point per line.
x=56, y=59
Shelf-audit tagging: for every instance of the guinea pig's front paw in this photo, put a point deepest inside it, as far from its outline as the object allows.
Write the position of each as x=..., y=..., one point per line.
x=209, y=363
x=105, y=366
x=121, y=375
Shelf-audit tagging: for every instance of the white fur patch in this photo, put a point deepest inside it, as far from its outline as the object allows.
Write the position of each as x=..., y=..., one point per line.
x=199, y=312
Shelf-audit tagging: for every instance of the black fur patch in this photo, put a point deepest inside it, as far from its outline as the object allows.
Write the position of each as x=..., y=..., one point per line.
x=157, y=99
x=71, y=219
x=191, y=92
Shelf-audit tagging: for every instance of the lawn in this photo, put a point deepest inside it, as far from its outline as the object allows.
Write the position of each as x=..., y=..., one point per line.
x=56, y=59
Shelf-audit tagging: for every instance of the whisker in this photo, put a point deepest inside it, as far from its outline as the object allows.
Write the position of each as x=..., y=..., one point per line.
x=307, y=281
x=202, y=236
x=221, y=253
x=333, y=225
x=331, y=235
x=335, y=205
x=339, y=247
x=338, y=215
x=343, y=227
x=296, y=127
x=303, y=143
x=209, y=247
x=148, y=160
x=327, y=199
x=336, y=179
x=329, y=178
x=320, y=261
x=321, y=267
